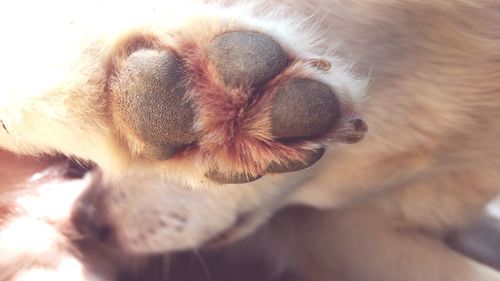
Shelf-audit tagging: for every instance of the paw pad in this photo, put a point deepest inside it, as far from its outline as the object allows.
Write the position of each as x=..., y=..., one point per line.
x=303, y=108
x=252, y=55
x=153, y=102
x=238, y=105
x=311, y=157
x=231, y=178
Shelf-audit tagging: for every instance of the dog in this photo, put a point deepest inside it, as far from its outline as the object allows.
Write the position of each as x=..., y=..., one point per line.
x=200, y=126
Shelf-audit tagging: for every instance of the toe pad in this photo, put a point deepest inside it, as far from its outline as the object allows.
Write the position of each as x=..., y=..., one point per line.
x=246, y=56
x=303, y=108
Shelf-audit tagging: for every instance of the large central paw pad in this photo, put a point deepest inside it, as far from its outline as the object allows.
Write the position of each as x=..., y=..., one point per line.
x=239, y=105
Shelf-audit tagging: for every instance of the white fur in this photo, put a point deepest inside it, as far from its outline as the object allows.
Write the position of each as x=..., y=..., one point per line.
x=426, y=167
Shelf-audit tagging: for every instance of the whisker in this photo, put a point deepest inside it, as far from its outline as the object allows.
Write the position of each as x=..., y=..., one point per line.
x=203, y=264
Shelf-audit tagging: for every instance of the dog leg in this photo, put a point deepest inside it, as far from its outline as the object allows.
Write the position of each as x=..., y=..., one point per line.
x=362, y=244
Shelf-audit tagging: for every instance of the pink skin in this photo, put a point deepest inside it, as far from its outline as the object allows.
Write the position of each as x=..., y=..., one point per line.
x=15, y=168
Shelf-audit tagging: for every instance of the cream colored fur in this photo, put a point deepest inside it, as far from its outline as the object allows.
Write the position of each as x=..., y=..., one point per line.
x=428, y=165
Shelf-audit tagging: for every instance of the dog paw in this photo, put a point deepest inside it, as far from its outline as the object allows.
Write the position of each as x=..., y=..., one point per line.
x=238, y=104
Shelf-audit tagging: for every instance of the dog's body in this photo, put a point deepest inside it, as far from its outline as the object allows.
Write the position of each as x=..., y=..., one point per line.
x=427, y=166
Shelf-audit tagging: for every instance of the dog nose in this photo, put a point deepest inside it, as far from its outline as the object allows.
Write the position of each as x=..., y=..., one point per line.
x=88, y=216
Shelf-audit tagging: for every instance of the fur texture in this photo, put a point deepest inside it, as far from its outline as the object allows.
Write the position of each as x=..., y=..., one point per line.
x=427, y=166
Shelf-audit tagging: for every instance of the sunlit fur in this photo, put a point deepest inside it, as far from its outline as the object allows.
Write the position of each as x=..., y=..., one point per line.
x=428, y=165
